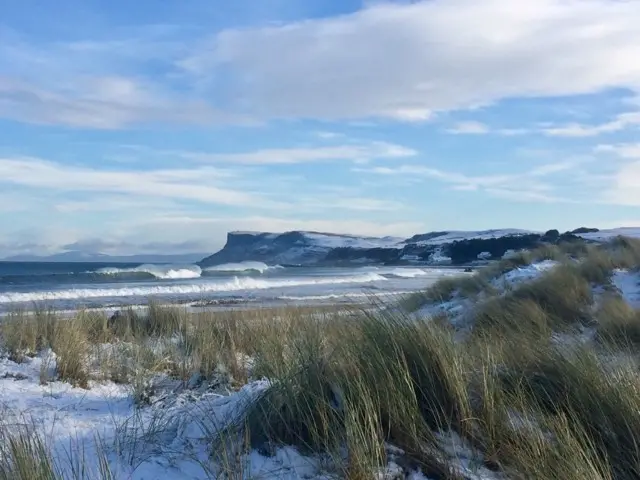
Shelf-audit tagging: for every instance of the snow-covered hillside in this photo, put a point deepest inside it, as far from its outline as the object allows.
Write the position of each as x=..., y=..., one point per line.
x=440, y=238
x=315, y=248
x=604, y=235
x=303, y=248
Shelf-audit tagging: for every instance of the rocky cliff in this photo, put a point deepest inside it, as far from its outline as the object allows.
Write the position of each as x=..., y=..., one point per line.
x=434, y=248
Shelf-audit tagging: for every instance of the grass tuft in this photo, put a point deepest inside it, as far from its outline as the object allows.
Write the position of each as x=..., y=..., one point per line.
x=618, y=323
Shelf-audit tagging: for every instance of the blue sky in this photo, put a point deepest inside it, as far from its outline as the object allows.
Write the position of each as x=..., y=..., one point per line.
x=159, y=126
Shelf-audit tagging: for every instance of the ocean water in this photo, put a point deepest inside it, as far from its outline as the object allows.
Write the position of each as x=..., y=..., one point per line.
x=69, y=286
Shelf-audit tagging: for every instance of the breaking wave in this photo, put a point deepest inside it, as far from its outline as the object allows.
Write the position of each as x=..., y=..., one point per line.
x=235, y=284
x=162, y=272
x=409, y=272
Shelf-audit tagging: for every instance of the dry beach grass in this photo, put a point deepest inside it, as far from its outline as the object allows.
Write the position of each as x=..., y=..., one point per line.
x=519, y=397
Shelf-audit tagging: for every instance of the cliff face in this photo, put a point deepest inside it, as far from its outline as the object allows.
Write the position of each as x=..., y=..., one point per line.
x=435, y=248
x=293, y=248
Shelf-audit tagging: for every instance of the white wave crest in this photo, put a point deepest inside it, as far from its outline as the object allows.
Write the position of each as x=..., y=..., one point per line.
x=236, y=284
x=163, y=272
x=410, y=272
x=346, y=295
x=241, y=267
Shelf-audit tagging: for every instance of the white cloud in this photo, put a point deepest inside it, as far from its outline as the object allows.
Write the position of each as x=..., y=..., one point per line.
x=524, y=186
x=622, y=187
x=461, y=181
x=114, y=203
x=357, y=152
x=397, y=60
x=479, y=128
x=326, y=135
x=406, y=61
x=621, y=122
x=195, y=184
x=625, y=189
x=217, y=228
x=526, y=195
x=361, y=204
x=102, y=103
x=623, y=150
x=472, y=128
x=169, y=231
x=98, y=84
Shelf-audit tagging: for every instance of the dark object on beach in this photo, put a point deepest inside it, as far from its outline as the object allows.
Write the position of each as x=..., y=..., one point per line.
x=468, y=270
x=117, y=315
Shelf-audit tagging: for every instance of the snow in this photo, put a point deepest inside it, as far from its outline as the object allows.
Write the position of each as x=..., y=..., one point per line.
x=245, y=232
x=170, y=437
x=438, y=257
x=322, y=241
x=628, y=284
x=453, y=309
x=523, y=274
x=467, y=462
x=340, y=241
x=511, y=253
x=456, y=236
x=604, y=235
x=457, y=308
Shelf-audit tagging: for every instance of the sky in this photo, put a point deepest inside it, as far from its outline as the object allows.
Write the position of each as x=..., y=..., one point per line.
x=157, y=127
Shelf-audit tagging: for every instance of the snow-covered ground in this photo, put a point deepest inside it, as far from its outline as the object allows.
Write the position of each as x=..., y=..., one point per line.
x=167, y=439
x=170, y=437
x=628, y=284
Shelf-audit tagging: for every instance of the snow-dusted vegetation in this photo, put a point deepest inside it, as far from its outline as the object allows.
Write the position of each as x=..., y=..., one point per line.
x=526, y=368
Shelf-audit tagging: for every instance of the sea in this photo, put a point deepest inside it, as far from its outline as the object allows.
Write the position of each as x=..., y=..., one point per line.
x=108, y=286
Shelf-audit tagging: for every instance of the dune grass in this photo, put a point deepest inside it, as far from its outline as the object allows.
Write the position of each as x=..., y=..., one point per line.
x=349, y=389
x=618, y=323
x=25, y=455
x=356, y=390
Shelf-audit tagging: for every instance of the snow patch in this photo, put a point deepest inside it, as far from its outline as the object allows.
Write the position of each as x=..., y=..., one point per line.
x=523, y=274
x=628, y=284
